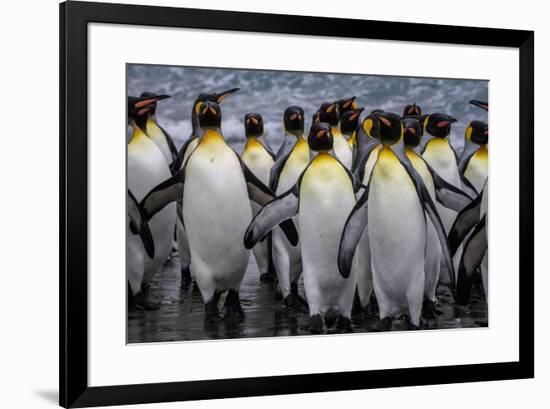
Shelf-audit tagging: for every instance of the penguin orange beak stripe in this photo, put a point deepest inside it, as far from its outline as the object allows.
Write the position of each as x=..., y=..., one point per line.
x=145, y=102
x=254, y=120
x=354, y=116
x=385, y=121
x=330, y=109
x=441, y=124
x=411, y=130
x=143, y=111
x=320, y=134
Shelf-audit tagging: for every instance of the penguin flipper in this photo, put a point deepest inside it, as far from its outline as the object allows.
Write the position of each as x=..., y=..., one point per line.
x=277, y=212
x=267, y=148
x=138, y=225
x=464, y=222
x=171, y=145
x=353, y=230
x=280, y=159
x=429, y=207
x=163, y=194
x=474, y=251
x=365, y=146
x=448, y=195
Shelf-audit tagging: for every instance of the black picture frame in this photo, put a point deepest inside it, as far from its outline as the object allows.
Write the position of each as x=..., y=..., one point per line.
x=73, y=257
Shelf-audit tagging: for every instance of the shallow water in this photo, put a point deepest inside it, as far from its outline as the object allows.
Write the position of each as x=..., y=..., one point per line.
x=181, y=313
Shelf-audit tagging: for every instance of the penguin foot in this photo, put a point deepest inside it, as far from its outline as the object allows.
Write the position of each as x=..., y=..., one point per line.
x=186, y=278
x=412, y=327
x=316, y=324
x=211, y=311
x=145, y=288
x=430, y=310
x=233, y=309
x=343, y=326
x=141, y=303
x=299, y=298
x=383, y=325
x=268, y=277
x=295, y=303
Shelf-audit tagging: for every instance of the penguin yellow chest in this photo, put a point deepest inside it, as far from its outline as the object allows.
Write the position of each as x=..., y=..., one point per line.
x=325, y=181
x=477, y=169
x=159, y=138
x=439, y=152
x=257, y=159
x=294, y=166
x=395, y=213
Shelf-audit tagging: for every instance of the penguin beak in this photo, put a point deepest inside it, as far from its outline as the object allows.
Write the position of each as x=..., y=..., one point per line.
x=144, y=110
x=222, y=95
x=349, y=102
x=150, y=101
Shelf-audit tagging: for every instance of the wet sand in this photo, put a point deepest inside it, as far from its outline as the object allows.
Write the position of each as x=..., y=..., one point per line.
x=181, y=313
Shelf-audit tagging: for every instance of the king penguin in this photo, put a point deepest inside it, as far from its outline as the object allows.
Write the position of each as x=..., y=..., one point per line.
x=290, y=161
x=322, y=198
x=349, y=123
x=215, y=187
x=392, y=208
x=146, y=168
x=330, y=113
x=259, y=158
x=446, y=194
x=183, y=154
x=473, y=163
x=161, y=138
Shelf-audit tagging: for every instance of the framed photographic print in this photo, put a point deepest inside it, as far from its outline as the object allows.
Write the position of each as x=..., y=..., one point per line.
x=259, y=204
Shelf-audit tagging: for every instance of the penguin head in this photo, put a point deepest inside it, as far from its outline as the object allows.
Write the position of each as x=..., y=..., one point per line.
x=253, y=125
x=329, y=112
x=477, y=132
x=210, y=115
x=294, y=120
x=350, y=121
x=148, y=94
x=347, y=104
x=384, y=126
x=480, y=104
x=213, y=97
x=320, y=137
x=438, y=125
x=412, y=111
x=412, y=132
x=139, y=108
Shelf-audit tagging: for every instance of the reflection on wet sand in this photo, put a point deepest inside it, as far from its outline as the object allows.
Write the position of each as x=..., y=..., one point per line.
x=181, y=313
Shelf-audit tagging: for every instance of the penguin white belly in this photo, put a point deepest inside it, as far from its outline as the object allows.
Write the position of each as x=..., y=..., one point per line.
x=190, y=148
x=477, y=168
x=216, y=211
x=326, y=199
x=363, y=258
x=441, y=157
x=286, y=257
x=397, y=235
x=433, y=247
x=157, y=136
x=146, y=169
x=342, y=149
x=259, y=161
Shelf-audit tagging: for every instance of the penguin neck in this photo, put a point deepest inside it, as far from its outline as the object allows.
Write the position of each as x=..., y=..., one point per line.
x=336, y=133
x=252, y=142
x=294, y=135
x=138, y=133
x=211, y=135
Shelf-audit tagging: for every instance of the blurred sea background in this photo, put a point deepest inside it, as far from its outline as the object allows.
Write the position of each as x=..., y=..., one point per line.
x=270, y=92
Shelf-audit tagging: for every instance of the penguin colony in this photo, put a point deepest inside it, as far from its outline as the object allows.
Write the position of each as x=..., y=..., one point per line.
x=373, y=213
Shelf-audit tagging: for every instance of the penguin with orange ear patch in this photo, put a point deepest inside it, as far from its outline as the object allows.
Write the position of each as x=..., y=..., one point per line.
x=259, y=158
x=330, y=113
